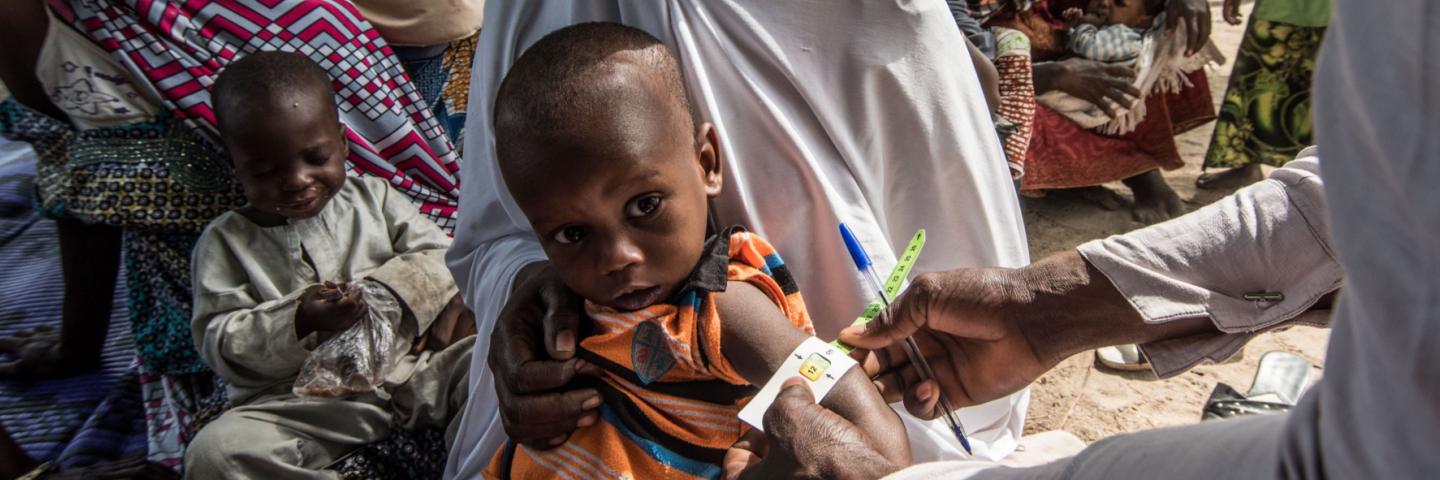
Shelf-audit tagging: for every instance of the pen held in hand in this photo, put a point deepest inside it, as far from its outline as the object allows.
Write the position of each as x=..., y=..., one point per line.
x=863, y=263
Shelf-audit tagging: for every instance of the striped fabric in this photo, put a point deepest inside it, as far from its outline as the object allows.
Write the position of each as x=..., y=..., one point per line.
x=178, y=47
x=1114, y=43
x=80, y=419
x=671, y=396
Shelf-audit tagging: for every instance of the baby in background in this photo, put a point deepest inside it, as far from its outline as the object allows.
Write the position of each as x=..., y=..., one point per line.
x=274, y=279
x=1110, y=31
x=596, y=139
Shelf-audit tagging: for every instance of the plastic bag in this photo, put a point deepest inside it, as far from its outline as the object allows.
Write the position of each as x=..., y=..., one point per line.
x=357, y=359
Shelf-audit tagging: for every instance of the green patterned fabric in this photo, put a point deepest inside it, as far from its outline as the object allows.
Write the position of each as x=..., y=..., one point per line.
x=1304, y=13
x=1265, y=115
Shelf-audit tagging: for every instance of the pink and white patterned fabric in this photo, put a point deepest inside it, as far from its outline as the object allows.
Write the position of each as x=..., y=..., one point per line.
x=178, y=47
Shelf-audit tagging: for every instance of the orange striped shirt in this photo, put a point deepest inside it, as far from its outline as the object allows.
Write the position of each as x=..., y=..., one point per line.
x=671, y=396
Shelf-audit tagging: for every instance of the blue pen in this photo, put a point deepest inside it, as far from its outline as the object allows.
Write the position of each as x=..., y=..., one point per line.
x=862, y=262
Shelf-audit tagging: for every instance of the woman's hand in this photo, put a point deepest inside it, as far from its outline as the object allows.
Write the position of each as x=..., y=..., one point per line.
x=1105, y=86
x=1231, y=12
x=532, y=352
x=1195, y=14
x=40, y=353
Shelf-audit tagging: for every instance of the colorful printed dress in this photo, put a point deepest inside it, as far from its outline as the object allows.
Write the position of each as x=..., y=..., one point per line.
x=671, y=396
x=1265, y=116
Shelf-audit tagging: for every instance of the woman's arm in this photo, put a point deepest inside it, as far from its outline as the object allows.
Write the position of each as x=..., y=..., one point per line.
x=22, y=32
x=756, y=337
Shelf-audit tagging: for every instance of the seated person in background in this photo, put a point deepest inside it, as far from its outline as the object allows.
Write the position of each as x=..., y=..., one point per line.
x=258, y=272
x=596, y=138
x=1110, y=31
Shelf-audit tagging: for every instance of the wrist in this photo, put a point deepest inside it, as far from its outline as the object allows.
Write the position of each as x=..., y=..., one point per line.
x=528, y=273
x=1046, y=76
x=1065, y=306
x=857, y=465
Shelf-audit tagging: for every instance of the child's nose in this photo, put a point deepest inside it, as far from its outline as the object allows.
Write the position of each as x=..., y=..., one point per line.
x=300, y=179
x=621, y=254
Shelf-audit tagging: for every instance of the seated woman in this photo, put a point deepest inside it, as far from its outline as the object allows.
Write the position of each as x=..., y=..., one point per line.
x=158, y=177
x=1063, y=155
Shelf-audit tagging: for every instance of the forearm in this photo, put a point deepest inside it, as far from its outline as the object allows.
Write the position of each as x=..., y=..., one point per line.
x=421, y=282
x=255, y=345
x=989, y=77
x=22, y=31
x=1065, y=306
x=1047, y=76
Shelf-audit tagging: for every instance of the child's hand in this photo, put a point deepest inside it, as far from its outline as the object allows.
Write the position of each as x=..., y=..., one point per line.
x=329, y=307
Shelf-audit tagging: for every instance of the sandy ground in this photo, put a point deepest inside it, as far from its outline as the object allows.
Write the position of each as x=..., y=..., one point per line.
x=1095, y=403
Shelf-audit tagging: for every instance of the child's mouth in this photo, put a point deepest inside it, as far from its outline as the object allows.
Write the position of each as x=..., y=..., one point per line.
x=637, y=299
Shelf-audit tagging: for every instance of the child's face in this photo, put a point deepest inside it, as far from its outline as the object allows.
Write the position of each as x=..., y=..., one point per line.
x=291, y=161
x=621, y=208
x=1121, y=12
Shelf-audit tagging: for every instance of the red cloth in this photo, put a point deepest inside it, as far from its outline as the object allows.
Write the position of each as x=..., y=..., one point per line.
x=1063, y=155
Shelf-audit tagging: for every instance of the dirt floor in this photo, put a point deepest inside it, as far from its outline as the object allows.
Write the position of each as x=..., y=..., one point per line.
x=1094, y=403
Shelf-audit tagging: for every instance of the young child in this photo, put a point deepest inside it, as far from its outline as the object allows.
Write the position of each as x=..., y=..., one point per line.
x=1111, y=31
x=596, y=140
x=259, y=272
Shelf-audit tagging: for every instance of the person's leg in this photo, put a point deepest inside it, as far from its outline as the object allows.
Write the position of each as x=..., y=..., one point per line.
x=89, y=261
x=1155, y=201
x=1231, y=179
x=1265, y=114
x=284, y=437
x=436, y=393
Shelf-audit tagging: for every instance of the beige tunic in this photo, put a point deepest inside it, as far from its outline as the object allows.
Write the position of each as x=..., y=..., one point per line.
x=423, y=22
x=247, y=281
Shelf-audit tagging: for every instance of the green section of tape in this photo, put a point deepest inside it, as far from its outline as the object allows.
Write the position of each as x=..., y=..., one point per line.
x=892, y=283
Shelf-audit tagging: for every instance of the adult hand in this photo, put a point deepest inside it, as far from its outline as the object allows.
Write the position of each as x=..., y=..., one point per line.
x=960, y=321
x=1106, y=86
x=1231, y=12
x=39, y=353
x=456, y=322
x=989, y=332
x=1195, y=14
x=329, y=307
x=804, y=440
x=532, y=352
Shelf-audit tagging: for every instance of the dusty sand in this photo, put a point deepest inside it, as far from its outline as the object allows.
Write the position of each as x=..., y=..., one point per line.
x=1094, y=403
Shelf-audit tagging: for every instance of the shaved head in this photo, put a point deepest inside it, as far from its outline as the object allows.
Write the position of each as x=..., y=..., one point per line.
x=571, y=86
x=263, y=84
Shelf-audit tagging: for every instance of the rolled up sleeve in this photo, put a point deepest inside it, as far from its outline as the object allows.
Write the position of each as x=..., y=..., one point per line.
x=1250, y=262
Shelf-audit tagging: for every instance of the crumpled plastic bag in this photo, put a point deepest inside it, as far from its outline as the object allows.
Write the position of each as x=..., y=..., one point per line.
x=356, y=360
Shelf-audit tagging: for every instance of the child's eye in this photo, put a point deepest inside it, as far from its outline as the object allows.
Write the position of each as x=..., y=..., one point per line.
x=570, y=234
x=643, y=206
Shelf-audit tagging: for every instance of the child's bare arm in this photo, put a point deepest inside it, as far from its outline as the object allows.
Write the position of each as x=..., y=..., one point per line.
x=756, y=337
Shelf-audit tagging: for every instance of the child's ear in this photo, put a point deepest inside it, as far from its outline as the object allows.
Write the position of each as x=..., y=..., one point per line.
x=707, y=144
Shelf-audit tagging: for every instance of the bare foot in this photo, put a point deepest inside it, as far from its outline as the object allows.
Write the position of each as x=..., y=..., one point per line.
x=1231, y=179
x=1155, y=201
x=1098, y=195
x=39, y=353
